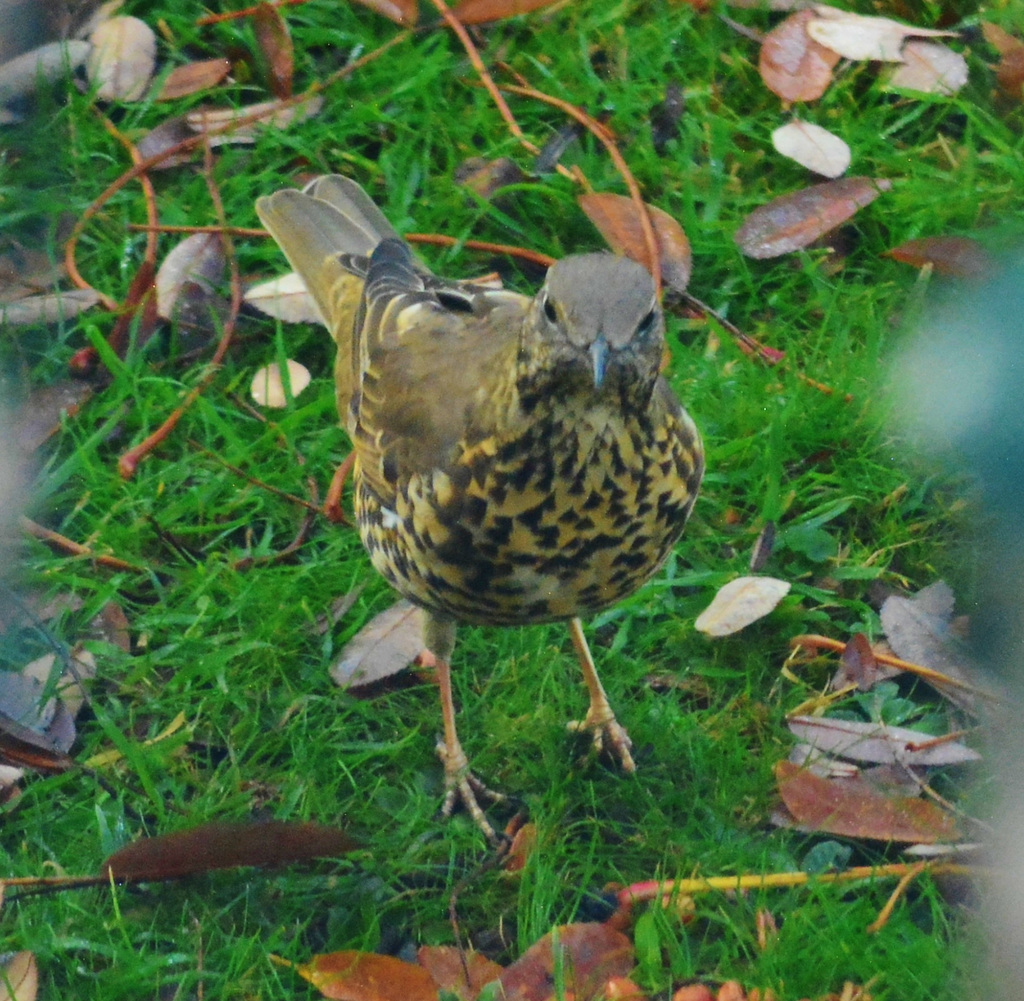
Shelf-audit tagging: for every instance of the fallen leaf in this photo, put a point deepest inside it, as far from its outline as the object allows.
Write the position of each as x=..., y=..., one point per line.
x=958, y=256
x=666, y=116
x=366, y=976
x=241, y=125
x=485, y=177
x=404, y=12
x=693, y=992
x=857, y=36
x=812, y=147
x=1010, y=69
x=878, y=743
x=739, y=603
x=122, y=60
x=731, y=990
x=165, y=136
x=20, y=978
x=848, y=808
x=860, y=667
x=286, y=299
x=193, y=78
x=388, y=643
x=622, y=989
x=524, y=841
x=51, y=307
x=21, y=745
x=793, y=221
x=267, y=387
x=793, y=65
x=917, y=629
x=275, y=44
x=929, y=68
x=197, y=259
x=482, y=11
x=25, y=271
x=763, y=546
x=225, y=845
x=39, y=416
x=447, y=967
x=616, y=218
x=26, y=698
x=589, y=956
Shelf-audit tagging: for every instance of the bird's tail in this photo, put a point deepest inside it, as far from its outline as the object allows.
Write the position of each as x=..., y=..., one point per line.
x=319, y=228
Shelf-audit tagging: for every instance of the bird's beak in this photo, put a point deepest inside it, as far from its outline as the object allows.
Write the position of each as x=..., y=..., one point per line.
x=599, y=359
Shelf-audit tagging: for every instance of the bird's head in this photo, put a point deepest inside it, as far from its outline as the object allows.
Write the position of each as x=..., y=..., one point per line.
x=595, y=328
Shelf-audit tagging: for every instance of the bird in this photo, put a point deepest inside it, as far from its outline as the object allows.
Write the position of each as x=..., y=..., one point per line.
x=517, y=459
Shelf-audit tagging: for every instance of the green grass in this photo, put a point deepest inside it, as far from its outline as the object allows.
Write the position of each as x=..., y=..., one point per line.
x=236, y=649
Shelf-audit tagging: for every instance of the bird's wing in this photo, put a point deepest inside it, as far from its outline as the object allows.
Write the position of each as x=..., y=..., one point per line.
x=434, y=362
x=327, y=231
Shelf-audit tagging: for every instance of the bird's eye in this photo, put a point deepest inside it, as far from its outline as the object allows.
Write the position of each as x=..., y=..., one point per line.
x=646, y=325
x=549, y=310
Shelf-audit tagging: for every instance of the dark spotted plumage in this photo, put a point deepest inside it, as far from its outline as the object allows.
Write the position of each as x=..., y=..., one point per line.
x=517, y=460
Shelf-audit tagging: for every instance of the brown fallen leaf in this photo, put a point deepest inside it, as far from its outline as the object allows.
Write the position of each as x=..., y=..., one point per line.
x=367, y=976
x=224, y=845
x=482, y=11
x=860, y=667
x=485, y=177
x=21, y=745
x=164, y=137
x=623, y=989
x=615, y=216
x=731, y=990
x=792, y=64
x=958, y=256
x=693, y=992
x=388, y=643
x=524, y=842
x=111, y=625
x=739, y=603
x=848, y=808
x=448, y=966
x=193, y=78
x=275, y=44
x=791, y=222
x=1010, y=69
x=589, y=955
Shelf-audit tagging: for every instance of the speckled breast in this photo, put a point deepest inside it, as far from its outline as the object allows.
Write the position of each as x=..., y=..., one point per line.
x=566, y=519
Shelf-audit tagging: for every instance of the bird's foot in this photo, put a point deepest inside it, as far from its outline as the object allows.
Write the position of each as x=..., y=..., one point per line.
x=608, y=734
x=463, y=787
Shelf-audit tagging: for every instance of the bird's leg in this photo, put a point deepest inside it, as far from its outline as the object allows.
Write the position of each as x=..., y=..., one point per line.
x=460, y=783
x=600, y=720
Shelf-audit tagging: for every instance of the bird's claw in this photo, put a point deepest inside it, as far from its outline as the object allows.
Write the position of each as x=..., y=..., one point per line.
x=463, y=787
x=608, y=735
